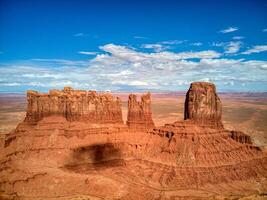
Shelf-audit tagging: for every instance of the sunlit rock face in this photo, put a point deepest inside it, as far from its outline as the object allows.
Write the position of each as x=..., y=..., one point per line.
x=74, y=105
x=139, y=113
x=64, y=149
x=203, y=105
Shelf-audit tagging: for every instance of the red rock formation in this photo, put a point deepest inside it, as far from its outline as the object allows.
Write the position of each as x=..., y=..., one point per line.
x=240, y=137
x=74, y=105
x=139, y=113
x=59, y=159
x=203, y=105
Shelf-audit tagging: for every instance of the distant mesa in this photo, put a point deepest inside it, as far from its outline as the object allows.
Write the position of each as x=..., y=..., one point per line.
x=74, y=105
x=202, y=108
x=202, y=105
x=89, y=106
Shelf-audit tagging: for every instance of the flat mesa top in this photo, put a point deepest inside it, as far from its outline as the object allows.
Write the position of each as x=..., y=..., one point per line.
x=198, y=85
x=68, y=91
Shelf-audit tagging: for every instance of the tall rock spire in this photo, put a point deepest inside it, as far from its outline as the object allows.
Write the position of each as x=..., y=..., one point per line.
x=203, y=105
x=139, y=113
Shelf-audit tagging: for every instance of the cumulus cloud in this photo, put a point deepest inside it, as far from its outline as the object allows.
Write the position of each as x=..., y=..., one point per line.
x=124, y=53
x=123, y=68
x=256, y=49
x=163, y=45
x=229, y=30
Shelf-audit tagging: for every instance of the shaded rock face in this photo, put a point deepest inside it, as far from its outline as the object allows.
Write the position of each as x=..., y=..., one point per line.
x=139, y=113
x=74, y=105
x=240, y=137
x=203, y=105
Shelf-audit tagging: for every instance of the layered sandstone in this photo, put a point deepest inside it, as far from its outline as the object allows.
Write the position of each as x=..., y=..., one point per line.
x=56, y=158
x=139, y=113
x=74, y=105
x=203, y=105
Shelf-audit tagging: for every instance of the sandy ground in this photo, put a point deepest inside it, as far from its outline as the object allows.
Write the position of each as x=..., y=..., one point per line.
x=241, y=111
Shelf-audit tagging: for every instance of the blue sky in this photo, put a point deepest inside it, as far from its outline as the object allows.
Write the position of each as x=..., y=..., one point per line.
x=132, y=45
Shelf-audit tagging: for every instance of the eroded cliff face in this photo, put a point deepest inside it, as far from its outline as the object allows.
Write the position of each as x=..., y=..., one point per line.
x=74, y=105
x=139, y=113
x=57, y=158
x=203, y=105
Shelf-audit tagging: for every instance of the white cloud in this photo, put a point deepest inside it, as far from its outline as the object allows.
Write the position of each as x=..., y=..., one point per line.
x=255, y=49
x=232, y=47
x=123, y=68
x=87, y=52
x=199, y=54
x=196, y=44
x=229, y=30
x=124, y=73
x=131, y=83
x=163, y=45
x=42, y=75
x=229, y=47
x=264, y=30
x=238, y=38
x=11, y=84
x=155, y=47
x=125, y=53
x=61, y=62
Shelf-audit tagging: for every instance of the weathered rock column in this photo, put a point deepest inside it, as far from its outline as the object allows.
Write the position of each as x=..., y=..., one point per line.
x=203, y=105
x=139, y=113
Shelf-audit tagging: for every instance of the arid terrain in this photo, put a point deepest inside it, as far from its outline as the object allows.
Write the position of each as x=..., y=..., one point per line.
x=246, y=112
x=77, y=144
x=133, y=100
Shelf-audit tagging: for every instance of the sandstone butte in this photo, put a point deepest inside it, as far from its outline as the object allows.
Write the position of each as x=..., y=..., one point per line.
x=73, y=144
